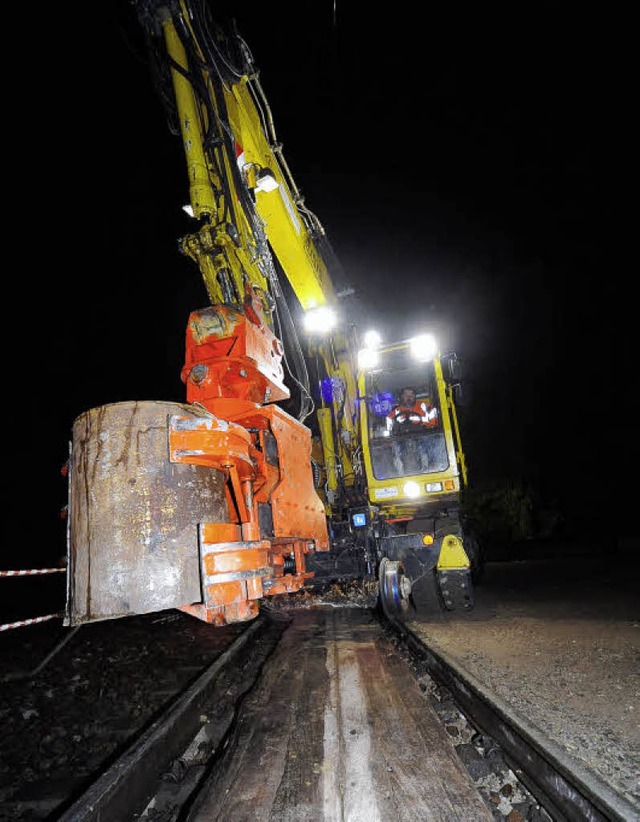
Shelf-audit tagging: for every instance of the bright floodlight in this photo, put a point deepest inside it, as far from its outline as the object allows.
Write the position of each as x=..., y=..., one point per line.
x=320, y=320
x=411, y=489
x=188, y=210
x=372, y=339
x=424, y=347
x=368, y=358
x=265, y=180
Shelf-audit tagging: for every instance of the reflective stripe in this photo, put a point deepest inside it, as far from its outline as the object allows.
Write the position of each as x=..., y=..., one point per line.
x=429, y=415
x=412, y=415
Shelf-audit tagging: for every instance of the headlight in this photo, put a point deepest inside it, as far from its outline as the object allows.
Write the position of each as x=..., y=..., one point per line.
x=372, y=339
x=368, y=358
x=433, y=487
x=266, y=180
x=320, y=320
x=411, y=489
x=424, y=347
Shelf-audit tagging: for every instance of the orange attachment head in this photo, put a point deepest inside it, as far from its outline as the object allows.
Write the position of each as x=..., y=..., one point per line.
x=227, y=355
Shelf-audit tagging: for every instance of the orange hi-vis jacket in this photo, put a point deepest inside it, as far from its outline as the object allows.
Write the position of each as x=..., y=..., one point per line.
x=422, y=413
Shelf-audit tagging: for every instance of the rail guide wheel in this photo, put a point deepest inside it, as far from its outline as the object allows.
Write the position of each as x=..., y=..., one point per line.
x=395, y=589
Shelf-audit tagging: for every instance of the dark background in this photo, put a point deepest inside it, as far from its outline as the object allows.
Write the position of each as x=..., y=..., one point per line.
x=464, y=165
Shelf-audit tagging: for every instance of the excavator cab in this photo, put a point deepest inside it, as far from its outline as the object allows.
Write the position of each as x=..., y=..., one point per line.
x=414, y=472
x=402, y=446
x=411, y=464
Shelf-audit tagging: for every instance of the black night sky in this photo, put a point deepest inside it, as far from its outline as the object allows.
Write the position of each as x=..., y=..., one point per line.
x=459, y=161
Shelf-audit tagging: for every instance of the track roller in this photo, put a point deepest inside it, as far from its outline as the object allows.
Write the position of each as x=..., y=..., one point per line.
x=394, y=590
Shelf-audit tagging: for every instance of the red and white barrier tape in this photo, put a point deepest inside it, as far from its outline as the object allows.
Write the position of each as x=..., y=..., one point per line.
x=32, y=572
x=9, y=625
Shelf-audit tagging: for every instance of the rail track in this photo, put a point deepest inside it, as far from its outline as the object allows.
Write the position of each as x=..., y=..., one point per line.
x=336, y=714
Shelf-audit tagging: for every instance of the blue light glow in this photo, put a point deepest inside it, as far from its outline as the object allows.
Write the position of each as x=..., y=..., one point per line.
x=326, y=389
x=382, y=403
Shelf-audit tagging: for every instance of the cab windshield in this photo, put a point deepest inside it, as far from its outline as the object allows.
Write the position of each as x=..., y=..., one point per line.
x=404, y=440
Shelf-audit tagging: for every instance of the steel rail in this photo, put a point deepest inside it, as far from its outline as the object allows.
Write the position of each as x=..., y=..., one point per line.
x=129, y=782
x=566, y=789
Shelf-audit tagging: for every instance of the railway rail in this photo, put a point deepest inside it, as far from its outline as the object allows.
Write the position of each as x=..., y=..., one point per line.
x=335, y=714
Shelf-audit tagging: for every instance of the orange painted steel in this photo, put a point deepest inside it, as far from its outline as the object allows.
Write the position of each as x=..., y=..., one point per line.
x=238, y=568
x=230, y=354
x=220, y=532
x=233, y=362
x=232, y=576
x=297, y=509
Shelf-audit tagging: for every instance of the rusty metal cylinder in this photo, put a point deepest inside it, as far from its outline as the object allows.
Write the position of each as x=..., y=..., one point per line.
x=134, y=515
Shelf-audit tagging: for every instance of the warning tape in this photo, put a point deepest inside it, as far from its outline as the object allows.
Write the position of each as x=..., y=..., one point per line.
x=32, y=572
x=9, y=625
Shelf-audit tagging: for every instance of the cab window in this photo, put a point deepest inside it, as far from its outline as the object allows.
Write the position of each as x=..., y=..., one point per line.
x=410, y=448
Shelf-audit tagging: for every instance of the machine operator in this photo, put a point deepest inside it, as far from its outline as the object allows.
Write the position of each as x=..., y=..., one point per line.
x=411, y=413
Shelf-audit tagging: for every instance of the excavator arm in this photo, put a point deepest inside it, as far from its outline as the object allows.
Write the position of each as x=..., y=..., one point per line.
x=253, y=220
x=239, y=185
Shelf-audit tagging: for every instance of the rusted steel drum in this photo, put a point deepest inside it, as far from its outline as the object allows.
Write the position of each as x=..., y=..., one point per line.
x=134, y=515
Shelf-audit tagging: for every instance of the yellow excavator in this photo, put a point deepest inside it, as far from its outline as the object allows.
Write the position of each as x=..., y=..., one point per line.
x=294, y=467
